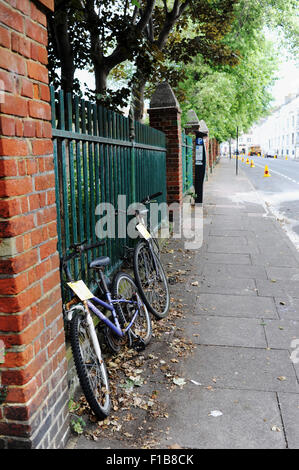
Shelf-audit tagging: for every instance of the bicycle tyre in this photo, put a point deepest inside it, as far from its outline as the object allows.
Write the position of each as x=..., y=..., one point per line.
x=157, y=298
x=125, y=287
x=90, y=368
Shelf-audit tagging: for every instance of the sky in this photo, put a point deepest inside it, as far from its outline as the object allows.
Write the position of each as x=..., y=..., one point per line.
x=288, y=81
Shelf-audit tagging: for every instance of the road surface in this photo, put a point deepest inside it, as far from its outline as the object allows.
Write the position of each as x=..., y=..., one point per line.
x=280, y=191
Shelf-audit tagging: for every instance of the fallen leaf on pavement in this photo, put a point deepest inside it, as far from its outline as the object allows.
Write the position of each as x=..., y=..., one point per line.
x=175, y=446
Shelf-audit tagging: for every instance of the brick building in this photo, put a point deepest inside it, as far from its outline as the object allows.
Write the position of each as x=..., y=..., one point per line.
x=33, y=386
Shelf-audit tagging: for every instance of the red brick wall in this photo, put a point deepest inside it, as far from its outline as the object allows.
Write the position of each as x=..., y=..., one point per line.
x=33, y=374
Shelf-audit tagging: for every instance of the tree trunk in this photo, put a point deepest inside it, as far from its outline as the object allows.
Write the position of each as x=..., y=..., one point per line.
x=137, y=105
x=101, y=76
x=64, y=50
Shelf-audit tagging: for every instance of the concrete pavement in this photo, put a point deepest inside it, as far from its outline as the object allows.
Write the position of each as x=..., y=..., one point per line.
x=240, y=385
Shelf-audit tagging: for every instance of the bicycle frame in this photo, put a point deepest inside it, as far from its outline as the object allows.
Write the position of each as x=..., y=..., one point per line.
x=109, y=306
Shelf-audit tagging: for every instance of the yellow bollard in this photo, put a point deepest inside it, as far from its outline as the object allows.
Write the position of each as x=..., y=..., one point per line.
x=266, y=172
x=286, y=157
x=242, y=159
x=247, y=161
x=252, y=165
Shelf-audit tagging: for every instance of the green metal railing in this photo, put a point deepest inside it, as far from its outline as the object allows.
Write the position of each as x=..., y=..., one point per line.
x=95, y=162
x=187, y=162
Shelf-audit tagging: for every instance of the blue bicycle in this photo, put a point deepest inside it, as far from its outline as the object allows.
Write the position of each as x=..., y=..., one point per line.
x=129, y=322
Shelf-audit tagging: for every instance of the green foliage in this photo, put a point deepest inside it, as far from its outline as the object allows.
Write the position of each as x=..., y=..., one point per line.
x=229, y=97
x=128, y=43
x=73, y=406
x=77, y=425
x=238, y=95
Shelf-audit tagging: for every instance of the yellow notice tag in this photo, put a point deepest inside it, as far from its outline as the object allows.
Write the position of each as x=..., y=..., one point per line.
x=81, y=290
x=142, y=230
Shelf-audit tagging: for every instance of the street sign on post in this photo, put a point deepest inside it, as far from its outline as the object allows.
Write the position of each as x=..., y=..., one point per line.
x=237, y=151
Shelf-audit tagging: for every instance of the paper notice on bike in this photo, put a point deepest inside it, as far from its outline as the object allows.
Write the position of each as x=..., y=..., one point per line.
x=143, y=231
x=81, y=290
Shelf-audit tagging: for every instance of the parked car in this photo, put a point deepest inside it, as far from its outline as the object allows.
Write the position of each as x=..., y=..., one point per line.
x=270, y=154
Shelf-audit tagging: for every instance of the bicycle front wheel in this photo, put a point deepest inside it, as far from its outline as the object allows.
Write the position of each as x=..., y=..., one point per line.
x=124, y=288
x=90, y=366
x=151, y=280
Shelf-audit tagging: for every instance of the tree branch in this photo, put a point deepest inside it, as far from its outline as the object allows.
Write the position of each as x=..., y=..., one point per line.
x=148, y=11
x=165, y=6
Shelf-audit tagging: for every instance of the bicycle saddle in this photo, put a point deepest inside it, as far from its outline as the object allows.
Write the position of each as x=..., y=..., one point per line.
x=99, y=262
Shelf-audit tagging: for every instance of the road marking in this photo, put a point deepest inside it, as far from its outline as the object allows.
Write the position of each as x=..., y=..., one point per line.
x=280, y=174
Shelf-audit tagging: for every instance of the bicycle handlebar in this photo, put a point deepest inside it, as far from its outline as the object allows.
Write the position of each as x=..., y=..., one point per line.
x=79, y=248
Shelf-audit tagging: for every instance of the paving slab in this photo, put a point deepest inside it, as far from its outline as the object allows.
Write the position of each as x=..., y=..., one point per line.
x=278, y=288
x=289, y=406
x=229, y=223
x=283, y=273
x=212, y=330
x=242, y=368
x=226, y=258
x=219, y=285
x=219, y=232
x=235, y=209
x=235, y=306
x=273, y=259
x=287, y=307
x=227, y=241
x=228, y=246
x=231, y=271
x=246, y=421
x=281, y=333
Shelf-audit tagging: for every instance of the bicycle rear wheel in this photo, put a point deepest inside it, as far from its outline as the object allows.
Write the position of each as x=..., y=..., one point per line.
x=151, y=280
x=90, y=366
x=125, y=288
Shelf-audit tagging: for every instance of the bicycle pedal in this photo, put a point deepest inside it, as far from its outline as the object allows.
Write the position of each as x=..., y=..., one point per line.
x=138, y=344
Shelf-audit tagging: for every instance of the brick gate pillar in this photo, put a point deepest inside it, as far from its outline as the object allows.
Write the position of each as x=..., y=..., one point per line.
x=33, y=385
x=165, y=115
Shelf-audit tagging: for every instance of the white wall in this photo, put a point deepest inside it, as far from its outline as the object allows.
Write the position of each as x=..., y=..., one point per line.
x=279, y=133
